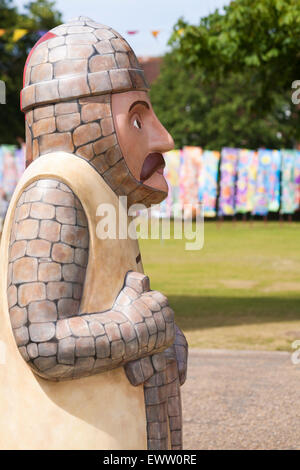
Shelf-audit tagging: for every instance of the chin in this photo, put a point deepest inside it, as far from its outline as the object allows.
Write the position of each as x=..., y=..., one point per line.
x=157, y=181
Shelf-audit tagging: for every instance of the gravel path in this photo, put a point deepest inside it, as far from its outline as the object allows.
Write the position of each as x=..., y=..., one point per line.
x=241, y=400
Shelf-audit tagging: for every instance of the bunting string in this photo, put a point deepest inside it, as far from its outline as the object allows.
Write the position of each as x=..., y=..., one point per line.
x=18, y=33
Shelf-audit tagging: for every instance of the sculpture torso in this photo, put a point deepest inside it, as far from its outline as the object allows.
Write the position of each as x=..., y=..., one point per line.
x=80, y=306
x=80, y=406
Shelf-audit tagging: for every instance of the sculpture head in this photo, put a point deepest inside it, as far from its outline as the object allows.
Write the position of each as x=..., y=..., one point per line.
x=85, y=93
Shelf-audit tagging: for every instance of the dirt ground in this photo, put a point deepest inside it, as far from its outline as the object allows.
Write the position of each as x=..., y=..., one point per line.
x=241, y=400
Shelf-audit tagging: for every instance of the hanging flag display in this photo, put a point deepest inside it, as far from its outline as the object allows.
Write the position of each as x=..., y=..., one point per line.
x=12, y=165
x=267, y=195
x=252, y=176
x=3, y=199
x=228, y=167
x=20, y=160
x=290, y=181
x=208, y=182
x=297, y=177
x=10, y=173
x=1, y=167
x=274, y=180
x=190, y=170
x=171, y=173
x=246, y=180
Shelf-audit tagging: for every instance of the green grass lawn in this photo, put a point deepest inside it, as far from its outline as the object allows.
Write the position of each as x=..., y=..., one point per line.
x=241, y=291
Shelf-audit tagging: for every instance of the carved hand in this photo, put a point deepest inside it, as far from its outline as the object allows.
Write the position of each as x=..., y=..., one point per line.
x=141, y=370
x=149, y=311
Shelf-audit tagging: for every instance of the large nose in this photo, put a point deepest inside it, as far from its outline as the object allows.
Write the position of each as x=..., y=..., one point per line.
x=160, y=139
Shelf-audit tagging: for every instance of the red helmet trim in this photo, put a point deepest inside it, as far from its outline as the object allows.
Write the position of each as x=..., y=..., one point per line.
x=46, y=36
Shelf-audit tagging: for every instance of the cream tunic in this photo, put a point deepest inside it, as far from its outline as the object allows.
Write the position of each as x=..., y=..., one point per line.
x=103, y=411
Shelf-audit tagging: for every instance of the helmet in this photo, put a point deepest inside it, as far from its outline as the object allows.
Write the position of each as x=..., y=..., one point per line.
x=76, y=59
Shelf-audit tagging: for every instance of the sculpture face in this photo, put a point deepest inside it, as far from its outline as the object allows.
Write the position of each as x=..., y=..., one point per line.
x=142, y=138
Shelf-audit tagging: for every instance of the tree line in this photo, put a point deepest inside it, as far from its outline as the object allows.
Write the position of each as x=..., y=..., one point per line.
x=225, y=82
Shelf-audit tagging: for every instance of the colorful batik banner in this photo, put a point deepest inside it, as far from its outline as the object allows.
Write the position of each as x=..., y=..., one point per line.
x=297, y=177
x=246, y=180
x=228, y=169
x=190, y=170
x=267, y=197
x=208, y=182
x=3, y=202
x=171, y=172
x=10, y=173
x=20, y=160
x=1, y=167
x=290, y=181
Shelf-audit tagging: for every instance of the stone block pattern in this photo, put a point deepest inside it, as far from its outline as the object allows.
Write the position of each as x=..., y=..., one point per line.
x=163, y=407
x=160, y=375
x=181, y=353
x=83, y=58
x=47, y=265
x=85, y=127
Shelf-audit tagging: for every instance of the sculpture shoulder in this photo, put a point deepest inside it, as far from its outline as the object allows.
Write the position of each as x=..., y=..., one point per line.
x=47, y=263
x=50, y=204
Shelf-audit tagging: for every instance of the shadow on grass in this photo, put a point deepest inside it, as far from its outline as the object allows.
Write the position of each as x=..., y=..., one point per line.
x=208, y=312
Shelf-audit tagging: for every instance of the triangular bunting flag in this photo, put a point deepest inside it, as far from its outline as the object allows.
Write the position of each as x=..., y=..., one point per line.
x=19, y=33
x=155, y=33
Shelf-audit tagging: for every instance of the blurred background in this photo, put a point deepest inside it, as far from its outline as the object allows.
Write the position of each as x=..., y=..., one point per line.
x=225, y=82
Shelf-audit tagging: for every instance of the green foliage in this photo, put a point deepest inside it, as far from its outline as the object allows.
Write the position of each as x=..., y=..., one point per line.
x=257, y=36
x=40, y=15
x=221, y=112
x=227, y=81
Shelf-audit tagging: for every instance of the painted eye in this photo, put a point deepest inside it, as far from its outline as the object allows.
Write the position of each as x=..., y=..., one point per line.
x=137, y=124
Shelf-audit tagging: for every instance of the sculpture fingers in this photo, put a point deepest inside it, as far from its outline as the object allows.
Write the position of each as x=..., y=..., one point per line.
x=139, y=371
x=160, y=298
x=137, y=281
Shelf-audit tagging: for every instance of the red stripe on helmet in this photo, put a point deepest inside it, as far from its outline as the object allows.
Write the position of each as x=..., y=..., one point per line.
x=46, y=36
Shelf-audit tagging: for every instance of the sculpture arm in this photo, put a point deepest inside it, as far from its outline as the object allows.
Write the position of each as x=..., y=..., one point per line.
x=47, y=266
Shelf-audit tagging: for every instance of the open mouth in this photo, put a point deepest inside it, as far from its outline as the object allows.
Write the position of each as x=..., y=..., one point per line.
x=154, y=162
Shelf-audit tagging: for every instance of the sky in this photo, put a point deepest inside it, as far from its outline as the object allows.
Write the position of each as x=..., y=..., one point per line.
x=141, y=15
